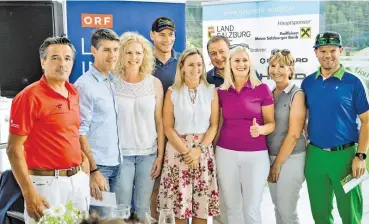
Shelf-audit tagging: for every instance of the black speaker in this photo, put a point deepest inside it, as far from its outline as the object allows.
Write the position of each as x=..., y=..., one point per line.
x=23, y=28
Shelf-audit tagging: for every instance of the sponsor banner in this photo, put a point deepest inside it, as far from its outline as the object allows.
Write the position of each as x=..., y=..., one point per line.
x=121, y=16
x=359, y=65
x=263, y=32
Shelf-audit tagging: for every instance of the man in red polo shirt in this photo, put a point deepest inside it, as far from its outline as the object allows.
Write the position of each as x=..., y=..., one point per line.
x=43, y=146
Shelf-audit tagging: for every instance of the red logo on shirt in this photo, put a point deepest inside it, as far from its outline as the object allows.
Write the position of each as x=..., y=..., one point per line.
x=13, y=125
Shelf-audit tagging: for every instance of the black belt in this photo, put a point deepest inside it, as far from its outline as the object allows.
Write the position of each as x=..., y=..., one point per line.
x=337, y=148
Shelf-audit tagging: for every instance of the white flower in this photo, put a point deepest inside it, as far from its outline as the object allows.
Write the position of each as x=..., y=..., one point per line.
x=63, y=214
x=58, y=211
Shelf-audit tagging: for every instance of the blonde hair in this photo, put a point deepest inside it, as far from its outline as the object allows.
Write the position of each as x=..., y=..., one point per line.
x=179, y=77
x=285, y=60
x=148, y=62
x=228, y=73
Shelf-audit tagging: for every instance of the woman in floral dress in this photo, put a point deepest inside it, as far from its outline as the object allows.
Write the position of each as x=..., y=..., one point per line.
x=190, y=115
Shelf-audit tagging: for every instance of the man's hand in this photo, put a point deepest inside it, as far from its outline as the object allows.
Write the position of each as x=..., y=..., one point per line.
x=274, y=172
x=35, y=205
x=156, y=168
x=97, y=184
x=85, y=166
x=358, y=167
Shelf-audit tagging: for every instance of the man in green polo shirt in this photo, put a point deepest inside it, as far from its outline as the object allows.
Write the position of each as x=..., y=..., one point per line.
x=335, y=99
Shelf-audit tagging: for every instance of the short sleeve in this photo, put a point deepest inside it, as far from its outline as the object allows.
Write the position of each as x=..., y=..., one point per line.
x=22, y=114
x=360, y=98
x=220, y=97
x=267, y=96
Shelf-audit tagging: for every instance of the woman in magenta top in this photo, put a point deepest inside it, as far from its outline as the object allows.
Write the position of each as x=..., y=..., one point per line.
x=247, y=116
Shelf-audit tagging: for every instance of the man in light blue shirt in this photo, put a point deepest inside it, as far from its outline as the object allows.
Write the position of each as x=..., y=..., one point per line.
x=98, y=109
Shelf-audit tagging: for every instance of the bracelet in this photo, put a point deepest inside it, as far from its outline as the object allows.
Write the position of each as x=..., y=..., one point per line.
x=204, y=149
x=93, y=171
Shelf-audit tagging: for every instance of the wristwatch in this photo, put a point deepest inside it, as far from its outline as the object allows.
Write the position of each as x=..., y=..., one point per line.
x=204, y=149
x=361, y=155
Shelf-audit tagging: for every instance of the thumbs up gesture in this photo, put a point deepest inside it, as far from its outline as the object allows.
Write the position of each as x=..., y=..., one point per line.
x=255, y=129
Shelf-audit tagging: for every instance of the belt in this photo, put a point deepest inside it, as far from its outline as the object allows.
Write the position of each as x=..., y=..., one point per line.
x=64, y=172
x=336, y=148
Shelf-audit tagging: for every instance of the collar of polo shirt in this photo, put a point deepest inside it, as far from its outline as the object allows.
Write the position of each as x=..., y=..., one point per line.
x=174, y=56
x=216, y=74
x=287, y=89
x=247, y=85
x=338, y=74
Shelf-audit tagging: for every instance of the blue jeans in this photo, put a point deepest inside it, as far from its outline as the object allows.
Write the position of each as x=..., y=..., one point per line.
x=136, y=172
x=111, y=175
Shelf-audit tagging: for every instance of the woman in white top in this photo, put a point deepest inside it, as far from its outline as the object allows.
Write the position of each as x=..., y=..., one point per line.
x=141, y=135
x=188, y=180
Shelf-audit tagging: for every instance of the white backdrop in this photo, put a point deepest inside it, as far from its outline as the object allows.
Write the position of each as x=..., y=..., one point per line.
x=264, y=26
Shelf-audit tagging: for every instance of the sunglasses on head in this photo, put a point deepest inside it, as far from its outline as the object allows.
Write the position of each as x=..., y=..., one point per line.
x=284, y=52
x=328, y=40
x=239, y=45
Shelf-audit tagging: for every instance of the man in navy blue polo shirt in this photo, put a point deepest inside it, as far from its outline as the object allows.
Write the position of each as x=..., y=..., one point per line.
x=335, y=99
x=218, y=49
x=163, y=36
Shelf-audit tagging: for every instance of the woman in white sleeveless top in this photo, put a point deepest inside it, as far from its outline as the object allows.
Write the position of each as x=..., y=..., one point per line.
x=141, y=135
x=188, y=180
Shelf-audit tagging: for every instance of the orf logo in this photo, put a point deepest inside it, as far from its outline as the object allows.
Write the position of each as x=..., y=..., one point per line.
x=97, y=20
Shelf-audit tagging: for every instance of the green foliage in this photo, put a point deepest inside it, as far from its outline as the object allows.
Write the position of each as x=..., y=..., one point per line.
x=63, y=214
x=350, y=19
x=194, y=25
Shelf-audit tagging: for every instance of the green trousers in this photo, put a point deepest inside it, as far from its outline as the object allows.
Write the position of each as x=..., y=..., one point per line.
x=323, y=171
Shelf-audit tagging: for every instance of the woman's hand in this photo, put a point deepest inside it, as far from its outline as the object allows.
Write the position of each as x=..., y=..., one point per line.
x=156, y=168
x=195, y=164
x=256, y=130
x=192, y=155
x=274, y=172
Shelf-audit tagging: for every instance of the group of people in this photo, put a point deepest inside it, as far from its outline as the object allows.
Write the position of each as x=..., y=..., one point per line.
x=152, y=126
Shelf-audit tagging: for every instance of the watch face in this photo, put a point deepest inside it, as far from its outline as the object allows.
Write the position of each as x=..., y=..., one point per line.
x=362, y=156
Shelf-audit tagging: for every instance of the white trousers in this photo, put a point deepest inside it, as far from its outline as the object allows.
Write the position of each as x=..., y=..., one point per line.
x=286, y=192
x=242, y=177
x=61, y=190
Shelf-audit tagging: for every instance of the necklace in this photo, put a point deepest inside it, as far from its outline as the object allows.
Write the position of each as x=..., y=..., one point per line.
x=192, y=93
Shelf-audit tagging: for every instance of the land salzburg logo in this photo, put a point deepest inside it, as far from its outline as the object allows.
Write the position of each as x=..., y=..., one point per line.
x=228, y=31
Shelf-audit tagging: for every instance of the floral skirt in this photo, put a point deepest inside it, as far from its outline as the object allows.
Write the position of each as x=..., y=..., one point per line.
x=189, y=192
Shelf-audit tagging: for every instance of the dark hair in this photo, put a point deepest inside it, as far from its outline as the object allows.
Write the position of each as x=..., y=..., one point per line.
x=55, y=40
x=218, y=38
x=103, y=34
